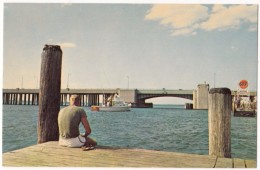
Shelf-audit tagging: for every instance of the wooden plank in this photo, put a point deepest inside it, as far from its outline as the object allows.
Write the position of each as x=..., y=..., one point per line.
x=55, y=159
x=51, y=154
x=97, y=161
x=162, y=159
x=130, y=157
x=250, y=163
x=123, y=157
x=224, y=163
x=239, y=163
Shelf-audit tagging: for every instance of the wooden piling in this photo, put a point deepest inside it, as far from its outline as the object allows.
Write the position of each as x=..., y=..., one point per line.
x=219, y=117
x=49, y=95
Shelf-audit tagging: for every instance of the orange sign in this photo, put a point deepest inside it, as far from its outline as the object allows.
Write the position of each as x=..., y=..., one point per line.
x=243, y=84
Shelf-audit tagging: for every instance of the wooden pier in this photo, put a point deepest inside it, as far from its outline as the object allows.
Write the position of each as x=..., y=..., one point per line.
x=50, y=154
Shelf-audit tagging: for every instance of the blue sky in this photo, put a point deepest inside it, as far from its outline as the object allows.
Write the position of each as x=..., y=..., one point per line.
x=154, y=46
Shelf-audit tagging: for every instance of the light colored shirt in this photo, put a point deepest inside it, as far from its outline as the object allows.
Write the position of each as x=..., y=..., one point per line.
x=69, y=119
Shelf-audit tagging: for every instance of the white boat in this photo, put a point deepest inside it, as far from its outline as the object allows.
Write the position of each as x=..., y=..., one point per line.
x=115, y=105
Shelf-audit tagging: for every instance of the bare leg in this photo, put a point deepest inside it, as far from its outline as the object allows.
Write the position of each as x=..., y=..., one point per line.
x=90, y=142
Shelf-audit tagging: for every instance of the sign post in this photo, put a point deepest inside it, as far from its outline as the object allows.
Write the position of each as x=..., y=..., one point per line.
x=242, y=91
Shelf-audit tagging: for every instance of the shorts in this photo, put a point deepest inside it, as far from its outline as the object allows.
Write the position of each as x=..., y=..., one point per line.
x=72, y=142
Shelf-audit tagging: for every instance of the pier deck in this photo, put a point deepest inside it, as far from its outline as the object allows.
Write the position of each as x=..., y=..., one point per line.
x=53, y=155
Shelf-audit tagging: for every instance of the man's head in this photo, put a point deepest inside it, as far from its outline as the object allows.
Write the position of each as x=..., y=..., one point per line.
x=75, y=100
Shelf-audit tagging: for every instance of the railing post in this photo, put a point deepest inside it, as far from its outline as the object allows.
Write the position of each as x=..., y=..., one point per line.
x=49, y=95
x=219, y=121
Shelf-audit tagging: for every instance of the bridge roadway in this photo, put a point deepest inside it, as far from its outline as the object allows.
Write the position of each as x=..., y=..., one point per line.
x=154, y=92
x=147, y=94
x=69, y=91
x=94, y=96
x=101, y=91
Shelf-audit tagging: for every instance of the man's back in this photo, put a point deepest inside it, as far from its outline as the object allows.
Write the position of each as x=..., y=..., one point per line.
x=69, y=119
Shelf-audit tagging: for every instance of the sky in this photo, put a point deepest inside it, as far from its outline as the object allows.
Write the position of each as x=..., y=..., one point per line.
x=133, y=45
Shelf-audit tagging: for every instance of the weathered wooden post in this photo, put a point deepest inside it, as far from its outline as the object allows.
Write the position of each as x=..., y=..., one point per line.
x=219, y=117
x=49, y=95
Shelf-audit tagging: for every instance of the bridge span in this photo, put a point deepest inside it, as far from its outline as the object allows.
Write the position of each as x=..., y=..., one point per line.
x=147, y=94
x=89, y=97
x=142, y=95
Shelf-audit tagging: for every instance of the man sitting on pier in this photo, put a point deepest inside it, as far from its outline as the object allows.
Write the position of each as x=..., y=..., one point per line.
x=68, y=120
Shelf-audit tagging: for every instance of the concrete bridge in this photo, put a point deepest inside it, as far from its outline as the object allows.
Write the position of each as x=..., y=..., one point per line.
x=142, y=95
x=89, y=97
x=94, y=96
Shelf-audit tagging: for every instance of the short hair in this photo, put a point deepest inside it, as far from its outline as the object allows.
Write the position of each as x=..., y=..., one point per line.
x=74, y=99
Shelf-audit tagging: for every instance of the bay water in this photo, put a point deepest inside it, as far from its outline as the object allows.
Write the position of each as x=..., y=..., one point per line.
x=165, y=127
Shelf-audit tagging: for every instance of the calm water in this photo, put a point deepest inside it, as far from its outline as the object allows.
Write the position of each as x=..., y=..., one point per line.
x=170, y=128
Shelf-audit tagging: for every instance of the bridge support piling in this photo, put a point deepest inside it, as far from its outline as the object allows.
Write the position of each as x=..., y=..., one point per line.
x=83, y=100
x=219, y=122
x=20, y=99
x=93, y=99
x=61, y=100
x=7, y=98
x=29, y=98
x=15, y=98
x=24, y=99
x=3, y=99
x=37, y=98
x=89, y=100
x=65, y=100
x=12, y=98
x=33, y=99
x=97, y=99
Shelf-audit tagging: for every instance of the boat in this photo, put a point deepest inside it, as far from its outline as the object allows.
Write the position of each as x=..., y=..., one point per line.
x=114, y=104
x=245, y=113
x=243, y=104
x=94, y=108
x=245, y=107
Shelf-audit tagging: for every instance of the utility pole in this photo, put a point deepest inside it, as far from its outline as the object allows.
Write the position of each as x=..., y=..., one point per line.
x=214, y=79
x=68, y=81
x=127, y=82
x=37, y=83
x=36, y=78
x=22, y=83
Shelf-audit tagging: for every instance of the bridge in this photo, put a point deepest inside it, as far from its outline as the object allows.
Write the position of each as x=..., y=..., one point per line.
x=147, y=94
x=142, y=95
x=91, y=97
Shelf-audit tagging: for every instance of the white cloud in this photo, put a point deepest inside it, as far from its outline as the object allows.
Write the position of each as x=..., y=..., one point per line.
x=231, y=17
x=67, y=45
x=185, y=19
x=185, y=31
x=180, y=17
x=218, y=8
